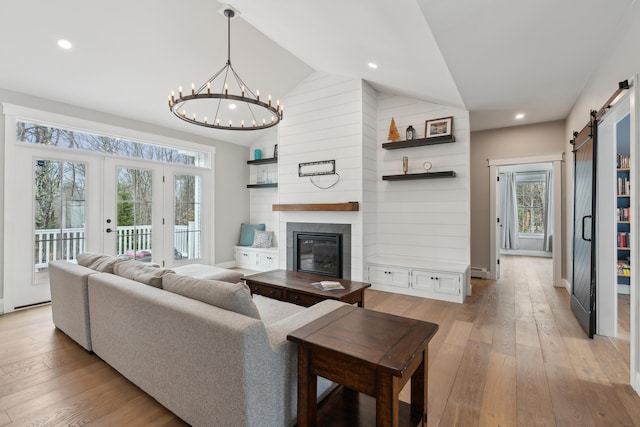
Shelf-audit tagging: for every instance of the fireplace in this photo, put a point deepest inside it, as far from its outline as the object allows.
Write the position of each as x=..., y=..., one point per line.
x=318, y=253
x=319, y=248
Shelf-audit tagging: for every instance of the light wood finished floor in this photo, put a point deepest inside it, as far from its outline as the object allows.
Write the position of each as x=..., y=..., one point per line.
x=512, y=355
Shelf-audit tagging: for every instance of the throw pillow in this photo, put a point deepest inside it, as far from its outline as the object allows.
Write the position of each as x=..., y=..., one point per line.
x=246, y=233
x=262, y=239
x=97, y=262
x=234, y=297
x=140, y=272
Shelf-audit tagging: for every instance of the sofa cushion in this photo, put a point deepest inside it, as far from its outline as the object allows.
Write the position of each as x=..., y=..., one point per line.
x=234, y=297
x=140, y=272
x=209, y=272
x=97, y=262
x=247, y=232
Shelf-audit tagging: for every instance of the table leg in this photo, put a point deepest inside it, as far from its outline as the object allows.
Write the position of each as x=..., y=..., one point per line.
x=307, y=391
x=419, y=389
x=361, y=301
x=387, y=404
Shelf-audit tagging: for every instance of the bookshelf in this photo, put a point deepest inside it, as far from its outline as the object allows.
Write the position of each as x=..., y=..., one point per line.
x=623, y=221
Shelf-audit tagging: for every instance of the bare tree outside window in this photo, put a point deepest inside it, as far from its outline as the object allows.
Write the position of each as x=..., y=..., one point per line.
x=530, y=196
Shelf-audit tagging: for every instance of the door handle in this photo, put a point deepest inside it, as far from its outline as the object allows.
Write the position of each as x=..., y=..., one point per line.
x=583, y=218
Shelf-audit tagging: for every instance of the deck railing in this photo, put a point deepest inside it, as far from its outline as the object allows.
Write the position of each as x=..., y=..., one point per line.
x=66, y=244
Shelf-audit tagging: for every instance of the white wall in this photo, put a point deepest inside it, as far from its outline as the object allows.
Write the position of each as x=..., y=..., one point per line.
x=423, y=218
x=324, y=122
x=346, y=120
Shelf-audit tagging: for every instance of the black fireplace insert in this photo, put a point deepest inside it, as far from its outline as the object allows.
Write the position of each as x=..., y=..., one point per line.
x=318, y=253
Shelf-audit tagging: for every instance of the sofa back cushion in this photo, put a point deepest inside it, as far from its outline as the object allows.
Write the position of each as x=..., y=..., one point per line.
x=234, y=297
x=140, y=272
x=97, y=262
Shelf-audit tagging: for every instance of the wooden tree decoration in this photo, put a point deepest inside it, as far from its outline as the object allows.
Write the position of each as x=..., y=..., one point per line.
x=393, y=131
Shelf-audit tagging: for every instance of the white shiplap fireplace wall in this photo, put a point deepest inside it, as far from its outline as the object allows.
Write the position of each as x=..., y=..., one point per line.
x=343, y=119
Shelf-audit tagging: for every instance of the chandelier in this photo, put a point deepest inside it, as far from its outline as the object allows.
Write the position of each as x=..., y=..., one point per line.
x=228, y=103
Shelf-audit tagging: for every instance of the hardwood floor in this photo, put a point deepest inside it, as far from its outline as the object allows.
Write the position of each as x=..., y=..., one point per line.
x=512, y=354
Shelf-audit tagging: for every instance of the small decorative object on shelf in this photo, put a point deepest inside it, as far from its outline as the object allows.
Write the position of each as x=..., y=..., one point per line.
x=257, y=154
x=427, y=166
x=439, y=127
x=262, y=175
x=405, y=164
x=275, y=151
x=393, y=131
x=411, y=133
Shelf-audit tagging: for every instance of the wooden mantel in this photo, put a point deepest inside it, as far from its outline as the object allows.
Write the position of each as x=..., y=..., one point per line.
x=349, y=206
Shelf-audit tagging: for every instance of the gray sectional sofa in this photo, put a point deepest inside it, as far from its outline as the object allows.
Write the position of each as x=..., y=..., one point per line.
x=223, y=362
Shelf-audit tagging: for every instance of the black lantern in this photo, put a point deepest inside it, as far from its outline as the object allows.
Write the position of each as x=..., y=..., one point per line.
x=411, y=133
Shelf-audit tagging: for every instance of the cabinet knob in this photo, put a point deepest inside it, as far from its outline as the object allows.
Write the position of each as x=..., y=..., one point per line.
x=245, y=255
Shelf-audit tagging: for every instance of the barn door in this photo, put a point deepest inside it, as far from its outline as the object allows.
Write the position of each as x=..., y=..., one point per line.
x=583, y=294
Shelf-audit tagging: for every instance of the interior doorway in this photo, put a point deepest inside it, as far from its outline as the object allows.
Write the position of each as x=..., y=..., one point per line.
x=495, y=203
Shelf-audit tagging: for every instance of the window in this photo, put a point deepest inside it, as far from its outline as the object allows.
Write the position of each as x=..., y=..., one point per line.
x=33, y=133
x=530, y=188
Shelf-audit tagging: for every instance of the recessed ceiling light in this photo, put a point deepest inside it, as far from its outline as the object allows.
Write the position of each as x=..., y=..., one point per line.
x=519, y=116
x=372, y=65
x=65, y=44
x=232, y=106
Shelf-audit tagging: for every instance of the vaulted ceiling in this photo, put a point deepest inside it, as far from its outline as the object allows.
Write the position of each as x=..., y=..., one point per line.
x=494, y=58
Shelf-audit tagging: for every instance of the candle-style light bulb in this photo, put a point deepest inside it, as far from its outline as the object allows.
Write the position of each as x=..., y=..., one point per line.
x=229, y=123
x=205, y=119
x=208, y=87
x=173, y=95
x=194, y=117
x=254, y=123
x=242, y=123
x=258, y=94
x=184, y=112
x=226, y=89
x=264, y=122
x=193, y=89
x=272, y=119
x=169, y=100
x=217, y=122
x=180, y=91
x=243, y=91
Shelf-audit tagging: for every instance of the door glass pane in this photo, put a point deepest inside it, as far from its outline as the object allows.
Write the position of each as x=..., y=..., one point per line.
x=59, y=217
x=133, y=223
x=188, y=215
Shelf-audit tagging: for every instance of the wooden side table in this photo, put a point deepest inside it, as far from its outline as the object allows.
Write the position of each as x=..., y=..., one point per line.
x=366, y=351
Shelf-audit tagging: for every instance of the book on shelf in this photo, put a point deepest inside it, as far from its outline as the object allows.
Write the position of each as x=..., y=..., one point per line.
x=624, y=214
x=623, y=240
x=624, y=268
x=624, y=186
x=327, y=285
x=622, y=161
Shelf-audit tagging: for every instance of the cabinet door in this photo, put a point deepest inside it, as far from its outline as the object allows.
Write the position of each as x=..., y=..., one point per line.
x=267, y=261
x=446, y=283
x=246, y=258
x=390, y=276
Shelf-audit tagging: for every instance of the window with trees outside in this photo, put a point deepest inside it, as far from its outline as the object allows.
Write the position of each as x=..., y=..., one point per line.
x=530, y=189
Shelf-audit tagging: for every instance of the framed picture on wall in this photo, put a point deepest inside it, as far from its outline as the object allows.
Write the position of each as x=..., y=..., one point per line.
x=439, y=127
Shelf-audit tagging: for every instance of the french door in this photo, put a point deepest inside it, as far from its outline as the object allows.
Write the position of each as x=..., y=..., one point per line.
x=65, y=203
x=583, y=294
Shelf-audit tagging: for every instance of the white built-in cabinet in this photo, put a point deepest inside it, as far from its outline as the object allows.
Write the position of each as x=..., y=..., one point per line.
x=259, y=259
x=425, y=278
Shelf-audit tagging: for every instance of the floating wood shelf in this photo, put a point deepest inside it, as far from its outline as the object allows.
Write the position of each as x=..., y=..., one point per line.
x=419, y=142
x=347, y=207
x=269, y=185
x=428, y=175
x=263, y=161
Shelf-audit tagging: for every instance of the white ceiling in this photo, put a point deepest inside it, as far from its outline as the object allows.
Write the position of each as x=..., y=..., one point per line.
x=492, y=57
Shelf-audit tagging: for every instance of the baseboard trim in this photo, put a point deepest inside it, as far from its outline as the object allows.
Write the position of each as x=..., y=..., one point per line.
x=624, y=289
x=1, y=305
x=566, y=285
x=480, y=273
x=636, y=386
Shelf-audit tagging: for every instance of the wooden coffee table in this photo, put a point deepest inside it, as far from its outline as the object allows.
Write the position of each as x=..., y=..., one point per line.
x=295, y=287
x=367, y=352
